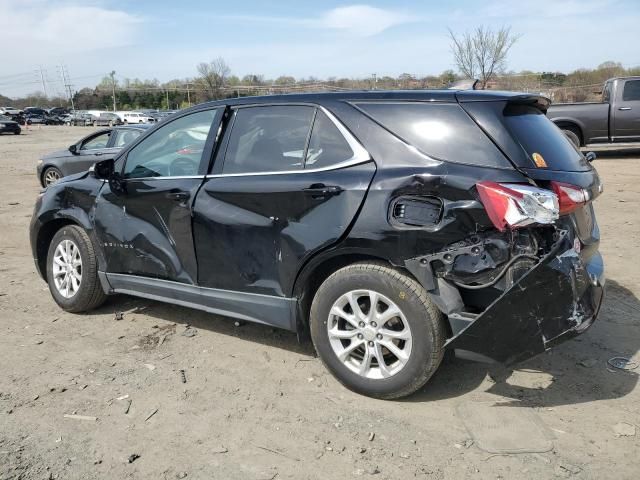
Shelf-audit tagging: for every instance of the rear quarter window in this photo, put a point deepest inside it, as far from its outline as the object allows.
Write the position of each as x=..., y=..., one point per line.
x=441, y=130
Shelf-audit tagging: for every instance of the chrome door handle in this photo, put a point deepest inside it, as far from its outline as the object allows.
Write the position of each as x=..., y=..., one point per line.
x=178, y=196
x=624, y=108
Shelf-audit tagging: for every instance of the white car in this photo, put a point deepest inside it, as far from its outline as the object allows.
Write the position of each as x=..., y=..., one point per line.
x=134, y=117
x=9, y=111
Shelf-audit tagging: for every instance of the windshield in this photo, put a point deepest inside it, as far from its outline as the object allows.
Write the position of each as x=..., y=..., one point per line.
x=540, y=137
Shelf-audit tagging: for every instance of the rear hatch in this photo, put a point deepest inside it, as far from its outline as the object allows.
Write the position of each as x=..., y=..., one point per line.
x=518, y=126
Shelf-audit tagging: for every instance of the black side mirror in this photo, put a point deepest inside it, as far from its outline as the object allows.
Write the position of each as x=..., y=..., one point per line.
x=103, y=170
x=73, y=149
x=590, y=156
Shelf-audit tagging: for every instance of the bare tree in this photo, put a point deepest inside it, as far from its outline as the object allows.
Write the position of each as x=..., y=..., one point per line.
x=213, y=76
x=483, y=53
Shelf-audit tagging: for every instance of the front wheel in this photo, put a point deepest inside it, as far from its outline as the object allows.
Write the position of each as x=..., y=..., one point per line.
x=376, y=330
x=72, y=271
x=51, y=175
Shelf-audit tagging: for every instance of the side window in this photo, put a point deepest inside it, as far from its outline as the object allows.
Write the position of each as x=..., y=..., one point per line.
x=442, y=130
x=327, y=145
x=125, y=137
x=99, y=141
x=631, y=90
x=268, y=139
x=173, y=150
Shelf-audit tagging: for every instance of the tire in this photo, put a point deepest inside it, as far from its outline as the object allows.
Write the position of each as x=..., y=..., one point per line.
x=89, y=293
x=418, y=316
x=17, y=132
x=50, y=175
x=573, y=135
x=29, y=122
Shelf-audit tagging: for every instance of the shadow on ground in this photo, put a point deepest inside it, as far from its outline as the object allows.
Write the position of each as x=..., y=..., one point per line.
x=572, y=373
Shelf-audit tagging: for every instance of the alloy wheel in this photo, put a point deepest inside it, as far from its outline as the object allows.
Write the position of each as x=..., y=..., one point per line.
x=67, y=268
x=51, y=176
x=369, y=334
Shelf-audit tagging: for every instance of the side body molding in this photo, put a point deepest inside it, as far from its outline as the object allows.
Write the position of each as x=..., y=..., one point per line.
x=266, y=309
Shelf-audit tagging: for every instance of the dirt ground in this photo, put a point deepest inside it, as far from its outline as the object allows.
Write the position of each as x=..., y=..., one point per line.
x=258, y=405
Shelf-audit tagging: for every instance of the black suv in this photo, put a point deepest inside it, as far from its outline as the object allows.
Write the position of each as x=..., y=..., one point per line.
x=389, y=225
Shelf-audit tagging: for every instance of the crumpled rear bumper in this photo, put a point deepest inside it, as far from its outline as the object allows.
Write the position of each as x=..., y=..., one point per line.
x=557, y=299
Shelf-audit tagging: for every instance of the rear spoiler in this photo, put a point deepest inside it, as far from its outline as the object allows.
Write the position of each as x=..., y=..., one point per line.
x=540, y=102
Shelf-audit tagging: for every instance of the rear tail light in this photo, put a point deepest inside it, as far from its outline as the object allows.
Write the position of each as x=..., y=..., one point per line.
x=570, y=197
x=515, y=205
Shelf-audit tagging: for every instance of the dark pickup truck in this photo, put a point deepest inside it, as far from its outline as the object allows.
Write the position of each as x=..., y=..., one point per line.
x=616, y=119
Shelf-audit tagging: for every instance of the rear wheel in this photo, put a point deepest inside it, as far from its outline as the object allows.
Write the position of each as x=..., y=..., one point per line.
x=573, y=135
x=51, y=175
x=72, y=271
x=376, y=330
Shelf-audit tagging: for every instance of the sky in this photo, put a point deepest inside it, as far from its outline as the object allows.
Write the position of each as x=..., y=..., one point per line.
x=167, y=39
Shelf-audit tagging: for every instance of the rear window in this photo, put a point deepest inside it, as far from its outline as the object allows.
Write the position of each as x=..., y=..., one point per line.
x=443, y=131
x=535, y=133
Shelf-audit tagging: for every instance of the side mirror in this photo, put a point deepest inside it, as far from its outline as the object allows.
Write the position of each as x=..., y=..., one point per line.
x=73, y=148
x=590, y=156
x=103, y=170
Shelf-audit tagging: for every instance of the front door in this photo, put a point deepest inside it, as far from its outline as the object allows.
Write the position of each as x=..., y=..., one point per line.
x=288, y=181
x=144, y=225
x=626, y=121
x=91, y=150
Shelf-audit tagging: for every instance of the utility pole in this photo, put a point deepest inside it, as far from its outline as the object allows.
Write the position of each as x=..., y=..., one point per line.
x=44, y=84
x=67, y=84
x=113, y=87
x=375, y=80
x=188, y=95
x=167, y=93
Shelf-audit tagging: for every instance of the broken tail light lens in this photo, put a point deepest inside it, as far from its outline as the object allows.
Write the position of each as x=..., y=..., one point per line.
x=517, y=205
x=570, y=197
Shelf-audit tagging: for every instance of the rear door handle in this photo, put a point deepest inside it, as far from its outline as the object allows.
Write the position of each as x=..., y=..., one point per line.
x=320, y=190
x=97, y=154
x=178, y=196
x=624, y=108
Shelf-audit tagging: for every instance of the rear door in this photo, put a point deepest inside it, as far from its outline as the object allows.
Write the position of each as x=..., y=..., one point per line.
x=287, y=182
x=626, y=112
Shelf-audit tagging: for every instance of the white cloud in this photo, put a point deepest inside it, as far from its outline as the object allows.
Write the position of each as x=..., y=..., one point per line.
x=40, y=30
x=363, y=20
x=355, y=20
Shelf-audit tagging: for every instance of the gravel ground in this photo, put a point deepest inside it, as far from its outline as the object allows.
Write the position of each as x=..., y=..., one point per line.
x=257, y=405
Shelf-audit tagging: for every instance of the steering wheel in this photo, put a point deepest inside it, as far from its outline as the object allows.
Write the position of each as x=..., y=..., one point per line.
x=182, y=166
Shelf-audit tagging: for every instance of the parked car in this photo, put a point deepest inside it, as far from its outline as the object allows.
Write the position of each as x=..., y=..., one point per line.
x=613, y=120
x=8, y=125
x=35, y=118
x=10, y=111
x=105, y=119
x=134, y=117
x=35, y=111
x=389, y=225
x=79, y=119
x=58, y=111
x=162, y=115
x=104, y=144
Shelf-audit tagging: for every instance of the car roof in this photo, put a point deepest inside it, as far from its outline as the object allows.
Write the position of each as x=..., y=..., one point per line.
x=373, y=95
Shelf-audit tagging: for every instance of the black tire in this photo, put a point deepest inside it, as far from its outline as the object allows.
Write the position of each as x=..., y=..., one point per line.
x=29, y=122
x=48, y=174
x=573, y=135
x=425, y=321
x=90, y=293
x=17, y=132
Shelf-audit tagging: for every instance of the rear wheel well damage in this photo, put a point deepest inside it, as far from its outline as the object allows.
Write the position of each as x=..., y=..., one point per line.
x=45, y=235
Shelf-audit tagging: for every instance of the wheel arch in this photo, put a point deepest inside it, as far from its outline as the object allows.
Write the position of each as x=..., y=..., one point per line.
x=571, y=125
x=43, y=241
x=315, y=272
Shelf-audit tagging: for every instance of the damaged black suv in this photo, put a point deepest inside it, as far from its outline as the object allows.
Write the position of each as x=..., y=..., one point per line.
x=389, y=225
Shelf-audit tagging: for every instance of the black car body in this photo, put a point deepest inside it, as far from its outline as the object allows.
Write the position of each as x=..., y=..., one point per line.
x=8, y=125
x=80, y=156
x=474, y=199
